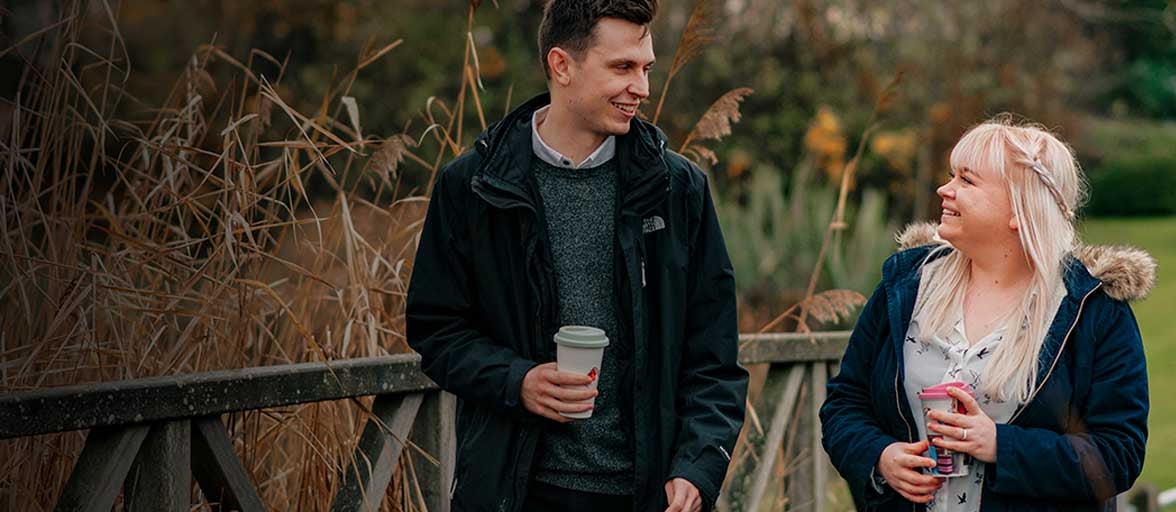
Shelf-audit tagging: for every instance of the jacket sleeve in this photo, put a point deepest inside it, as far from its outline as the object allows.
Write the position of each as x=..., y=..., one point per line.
x=440, y=322
x=712, y=385
x=1107, y=456
x=850, y=431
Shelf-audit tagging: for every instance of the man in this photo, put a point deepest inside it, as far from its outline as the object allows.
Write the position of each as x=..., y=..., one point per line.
x=571, y=211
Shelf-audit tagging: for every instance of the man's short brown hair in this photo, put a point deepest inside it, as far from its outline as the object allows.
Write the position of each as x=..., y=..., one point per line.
x=568, y=24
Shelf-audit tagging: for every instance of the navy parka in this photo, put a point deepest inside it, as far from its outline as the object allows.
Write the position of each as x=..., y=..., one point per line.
x=1074, y=445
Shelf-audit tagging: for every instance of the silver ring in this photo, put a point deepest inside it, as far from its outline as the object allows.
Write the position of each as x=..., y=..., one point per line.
x=965, y=437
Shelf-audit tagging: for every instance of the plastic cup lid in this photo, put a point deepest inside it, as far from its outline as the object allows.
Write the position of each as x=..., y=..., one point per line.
x=581, y=336
x=939, y=391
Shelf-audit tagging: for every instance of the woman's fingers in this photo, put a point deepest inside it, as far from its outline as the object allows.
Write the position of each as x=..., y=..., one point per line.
x=948, y=430
x=969, y=401
x=953, y=445
x=951, y=418
x=924, y=498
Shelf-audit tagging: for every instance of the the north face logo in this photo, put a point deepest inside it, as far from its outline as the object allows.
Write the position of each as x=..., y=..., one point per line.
x=652, y=224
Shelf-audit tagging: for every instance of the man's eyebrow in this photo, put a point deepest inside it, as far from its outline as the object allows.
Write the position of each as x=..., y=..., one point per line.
x=615, y=62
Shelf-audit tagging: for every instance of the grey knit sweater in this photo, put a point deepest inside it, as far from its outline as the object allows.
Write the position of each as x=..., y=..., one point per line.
x=594, y=454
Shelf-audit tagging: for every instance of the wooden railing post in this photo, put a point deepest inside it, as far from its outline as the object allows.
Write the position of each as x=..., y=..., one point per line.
x=799, y=483
x=434, y=434
x=102, y=468
x=217, y=469
x=365, y=480
x=161, y=477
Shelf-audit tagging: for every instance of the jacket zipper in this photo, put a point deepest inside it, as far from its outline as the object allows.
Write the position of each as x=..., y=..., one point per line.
x=1058, y=356
x=898, y=407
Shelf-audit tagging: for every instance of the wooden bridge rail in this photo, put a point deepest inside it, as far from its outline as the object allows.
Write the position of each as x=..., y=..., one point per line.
x=149, y=438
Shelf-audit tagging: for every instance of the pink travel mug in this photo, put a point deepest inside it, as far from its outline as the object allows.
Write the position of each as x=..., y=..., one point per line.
x=947, y=462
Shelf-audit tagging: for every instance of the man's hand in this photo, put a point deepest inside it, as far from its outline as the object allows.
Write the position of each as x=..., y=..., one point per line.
x=683, y=496
x=548, y=392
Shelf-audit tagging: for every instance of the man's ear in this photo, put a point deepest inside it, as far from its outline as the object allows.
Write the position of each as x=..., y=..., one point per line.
x=559, y=62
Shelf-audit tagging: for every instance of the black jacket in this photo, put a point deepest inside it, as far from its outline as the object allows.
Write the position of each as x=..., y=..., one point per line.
x=482, y=310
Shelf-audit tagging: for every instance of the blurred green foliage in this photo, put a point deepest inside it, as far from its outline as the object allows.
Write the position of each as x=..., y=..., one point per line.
x=1134, y=185
x=818, y=69
x=1131, y=166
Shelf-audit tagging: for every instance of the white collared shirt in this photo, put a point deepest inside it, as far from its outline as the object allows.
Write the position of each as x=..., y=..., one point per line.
x=603, y=153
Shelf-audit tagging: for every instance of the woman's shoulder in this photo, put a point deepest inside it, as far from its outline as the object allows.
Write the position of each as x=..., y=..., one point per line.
x=915, y=242
x=1127, y=273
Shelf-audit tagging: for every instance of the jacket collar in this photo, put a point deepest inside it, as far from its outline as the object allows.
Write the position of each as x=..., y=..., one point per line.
x=504, y=177
x=1124, y=273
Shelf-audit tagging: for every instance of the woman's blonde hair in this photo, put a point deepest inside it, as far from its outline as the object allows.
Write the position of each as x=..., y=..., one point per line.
x=1045, y=186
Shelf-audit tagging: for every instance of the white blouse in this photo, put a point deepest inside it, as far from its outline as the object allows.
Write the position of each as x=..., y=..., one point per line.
x=932, y=360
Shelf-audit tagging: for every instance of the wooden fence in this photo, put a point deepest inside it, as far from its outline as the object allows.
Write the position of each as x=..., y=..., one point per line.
x=149, y=438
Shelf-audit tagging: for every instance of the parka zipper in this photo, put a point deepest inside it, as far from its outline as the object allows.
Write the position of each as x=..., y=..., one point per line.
x=1058, y=356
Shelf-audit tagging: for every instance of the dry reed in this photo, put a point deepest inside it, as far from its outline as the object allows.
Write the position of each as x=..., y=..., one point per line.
x=224, y=228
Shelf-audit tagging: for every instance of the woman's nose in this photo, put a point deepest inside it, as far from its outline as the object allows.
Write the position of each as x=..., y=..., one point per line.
x=945, y=190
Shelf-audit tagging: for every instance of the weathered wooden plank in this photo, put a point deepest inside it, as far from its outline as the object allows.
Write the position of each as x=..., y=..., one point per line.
x=435, y=434
x=799, y=484
x=785, y=402
x=101, y=469
x=211, y=393
x=161, y=478
x=217, y=469
x=366, y=480
x=792, y=347
x=820, y=460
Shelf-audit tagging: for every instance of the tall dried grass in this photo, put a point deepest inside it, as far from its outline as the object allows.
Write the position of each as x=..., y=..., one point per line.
x=138, y=241
x=223, y=228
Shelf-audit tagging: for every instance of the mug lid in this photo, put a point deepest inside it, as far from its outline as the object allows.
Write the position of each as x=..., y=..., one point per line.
x=581, y=336
x=940, y=390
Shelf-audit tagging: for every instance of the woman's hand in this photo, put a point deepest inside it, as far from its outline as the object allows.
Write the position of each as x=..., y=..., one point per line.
x=899, y=465
x=973, y=433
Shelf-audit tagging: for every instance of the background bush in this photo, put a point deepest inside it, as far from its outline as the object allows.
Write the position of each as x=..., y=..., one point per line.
x=1144, y=185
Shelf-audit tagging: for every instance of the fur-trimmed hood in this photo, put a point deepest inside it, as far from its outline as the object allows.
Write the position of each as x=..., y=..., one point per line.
x=1127, y=273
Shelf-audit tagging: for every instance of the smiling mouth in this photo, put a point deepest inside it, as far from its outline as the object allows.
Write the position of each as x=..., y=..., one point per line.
x=628, y=109
x=951, y=213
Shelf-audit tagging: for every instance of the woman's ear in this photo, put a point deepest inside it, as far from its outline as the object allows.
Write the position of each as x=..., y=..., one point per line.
x=1014, y=224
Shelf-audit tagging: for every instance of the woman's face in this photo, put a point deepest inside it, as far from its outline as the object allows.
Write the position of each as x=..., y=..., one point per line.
x=976, y=209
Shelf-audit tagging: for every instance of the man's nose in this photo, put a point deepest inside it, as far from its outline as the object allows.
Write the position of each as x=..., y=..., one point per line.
x=640, y=86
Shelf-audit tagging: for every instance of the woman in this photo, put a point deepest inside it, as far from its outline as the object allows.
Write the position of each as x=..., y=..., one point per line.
x=1004, y=300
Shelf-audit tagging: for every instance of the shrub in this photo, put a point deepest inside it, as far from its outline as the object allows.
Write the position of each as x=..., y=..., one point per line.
x=1136, y=185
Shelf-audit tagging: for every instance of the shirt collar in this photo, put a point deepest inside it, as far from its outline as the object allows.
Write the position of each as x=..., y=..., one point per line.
x=603, y=153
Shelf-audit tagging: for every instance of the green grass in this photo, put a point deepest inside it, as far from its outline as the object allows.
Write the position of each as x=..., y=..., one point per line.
x=1157, y=236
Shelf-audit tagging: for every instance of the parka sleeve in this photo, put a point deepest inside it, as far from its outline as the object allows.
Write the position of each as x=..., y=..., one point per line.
x=1106, y=456
x=850, y=431
x=439, y=311
x=712, y=384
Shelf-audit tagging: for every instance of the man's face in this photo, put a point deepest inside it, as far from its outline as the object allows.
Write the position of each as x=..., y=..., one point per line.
x=611, y=78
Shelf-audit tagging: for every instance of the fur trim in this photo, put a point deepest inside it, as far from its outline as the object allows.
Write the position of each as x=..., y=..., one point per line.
x=918, y=234
x=1127, y=273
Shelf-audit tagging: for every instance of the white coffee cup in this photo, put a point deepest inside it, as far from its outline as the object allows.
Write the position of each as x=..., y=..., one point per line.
x=580, y=349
